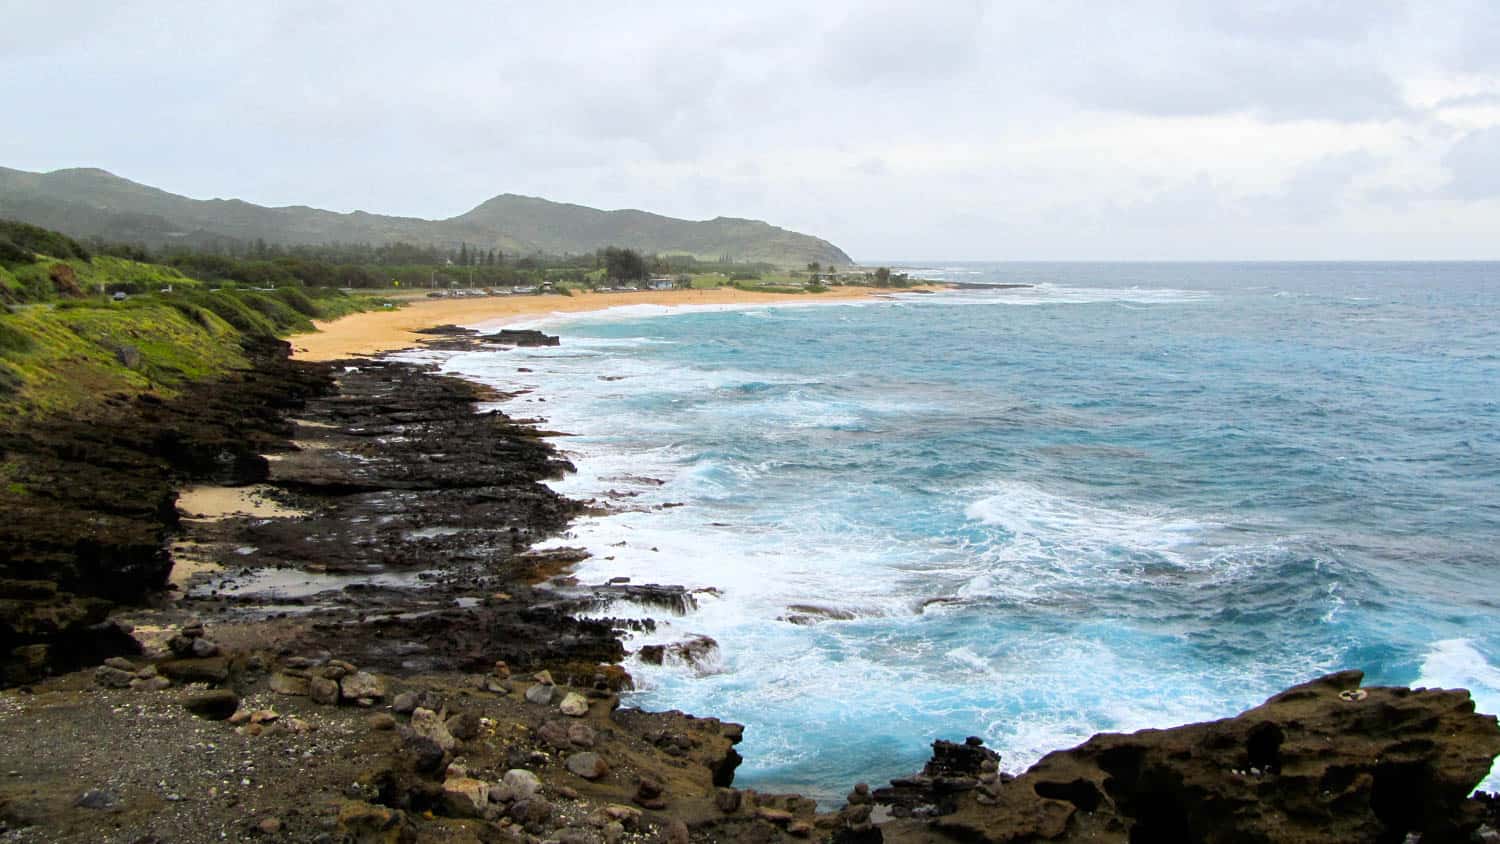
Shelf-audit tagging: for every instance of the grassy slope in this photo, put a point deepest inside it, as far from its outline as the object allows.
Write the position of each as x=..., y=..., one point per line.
x=73, y=355
x=61, y=354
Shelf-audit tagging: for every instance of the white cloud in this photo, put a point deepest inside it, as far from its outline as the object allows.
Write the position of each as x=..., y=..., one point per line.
x=1029, y=129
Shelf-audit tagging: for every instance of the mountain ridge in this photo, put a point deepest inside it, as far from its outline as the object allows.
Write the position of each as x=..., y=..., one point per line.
x=92, y=202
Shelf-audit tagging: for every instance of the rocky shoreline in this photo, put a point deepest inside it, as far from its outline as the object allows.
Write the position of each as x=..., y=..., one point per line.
x=386, y=660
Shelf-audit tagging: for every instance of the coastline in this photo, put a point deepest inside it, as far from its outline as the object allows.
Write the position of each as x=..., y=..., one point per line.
x=374, y=332
x=405, y=707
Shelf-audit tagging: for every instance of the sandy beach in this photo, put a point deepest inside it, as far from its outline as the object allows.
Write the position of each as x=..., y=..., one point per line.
x=388, y=330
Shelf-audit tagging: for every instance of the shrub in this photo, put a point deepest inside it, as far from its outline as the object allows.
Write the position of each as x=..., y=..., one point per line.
x=229, y=308
x=45, y=241
x=10, y=253
x=199, y=316
x=297, y=300
x=281, y=317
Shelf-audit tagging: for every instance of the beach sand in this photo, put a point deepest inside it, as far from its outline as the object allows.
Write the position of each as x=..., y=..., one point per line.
x=387, y=330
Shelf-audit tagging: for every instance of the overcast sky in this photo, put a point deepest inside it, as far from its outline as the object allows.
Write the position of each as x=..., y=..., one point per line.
x=917, y=130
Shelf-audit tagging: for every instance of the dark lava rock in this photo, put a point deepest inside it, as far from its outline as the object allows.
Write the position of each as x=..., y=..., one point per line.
x=674, y=599
x=649, y=793
x=728, y=800
x=213, y=670
x=94, y=527
x=464, y=726
x=426, y=755
x=526, y=337
x=112, y=678
x=215, y=704
x=1323, y=761
x=96, y=798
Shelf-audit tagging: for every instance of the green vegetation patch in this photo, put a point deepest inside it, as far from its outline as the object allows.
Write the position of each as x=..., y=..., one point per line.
x=73, y=354
x=28, y=240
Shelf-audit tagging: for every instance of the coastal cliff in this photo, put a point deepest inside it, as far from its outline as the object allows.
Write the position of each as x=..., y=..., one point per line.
x=364, y=648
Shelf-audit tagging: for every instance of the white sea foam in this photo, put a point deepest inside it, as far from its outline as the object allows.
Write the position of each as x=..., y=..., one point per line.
x=1036, y=517
x=1458, y=664
x=1050, y=294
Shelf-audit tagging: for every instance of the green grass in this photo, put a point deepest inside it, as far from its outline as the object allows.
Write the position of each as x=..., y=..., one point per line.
x=78, y=353
x=36, y=281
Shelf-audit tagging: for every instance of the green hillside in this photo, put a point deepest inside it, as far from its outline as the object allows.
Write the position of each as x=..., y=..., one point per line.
x=75, y=327
x=91, y=203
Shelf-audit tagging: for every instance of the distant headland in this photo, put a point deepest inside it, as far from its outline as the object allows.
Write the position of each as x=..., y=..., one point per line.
x=93, y=203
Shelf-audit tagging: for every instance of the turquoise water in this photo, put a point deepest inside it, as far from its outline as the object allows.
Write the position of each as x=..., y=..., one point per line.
x=1134, y=495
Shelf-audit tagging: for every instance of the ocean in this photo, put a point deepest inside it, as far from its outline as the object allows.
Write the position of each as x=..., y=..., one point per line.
x=1128, y=496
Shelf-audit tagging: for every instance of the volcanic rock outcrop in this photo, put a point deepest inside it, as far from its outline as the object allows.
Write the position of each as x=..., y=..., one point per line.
x=1322, y=761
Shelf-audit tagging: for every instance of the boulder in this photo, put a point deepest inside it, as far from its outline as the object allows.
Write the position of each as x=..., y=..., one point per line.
x=581, y=734
x=323, y=690
x=427, y=724
x=464, y=797
x=361, y=686
x=530, y=811
x=288, y=684
x=215, y=704
x=426, y=755
x=464, y=726
x=213, y=670
x=112, y=678
x=574, y=705
x=540, y=693
x=521, y=783
x=555, y=734
x=365, y=823
x=588, y=765
x=150, y=684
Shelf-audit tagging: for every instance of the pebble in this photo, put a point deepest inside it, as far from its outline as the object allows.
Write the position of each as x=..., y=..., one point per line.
x=270, y=826
x=381, y=721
